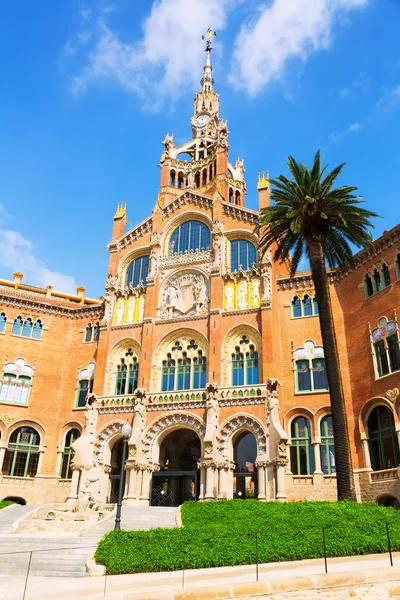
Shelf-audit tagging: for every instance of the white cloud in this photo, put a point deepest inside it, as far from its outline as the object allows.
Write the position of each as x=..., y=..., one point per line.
x=16, y=253
x=389, y=99
x=283, y=30
x=353, y=128
x=166, y=61
x=360, y=84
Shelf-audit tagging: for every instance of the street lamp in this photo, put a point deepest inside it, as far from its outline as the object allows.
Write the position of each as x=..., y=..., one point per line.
x=126, y=431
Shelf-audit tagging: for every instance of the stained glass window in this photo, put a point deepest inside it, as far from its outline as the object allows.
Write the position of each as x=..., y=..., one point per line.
x=237, y=367
x=243, y=255
x=137, y=271
x=66, y=471
x=22, y=455
x=168, y=375
x=15, y=389
x=252, y=366
x=301, y=450
x=199, y=371
x=303, y=376
x=383, y=442
x=320, y=379
x=327, y=448
x=190, y=236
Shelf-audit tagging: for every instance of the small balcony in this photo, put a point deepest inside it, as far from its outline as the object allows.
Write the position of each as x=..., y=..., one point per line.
x=228, y=396
x=384, y=475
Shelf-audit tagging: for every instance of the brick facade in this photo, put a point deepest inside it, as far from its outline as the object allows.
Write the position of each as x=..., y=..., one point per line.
x=195, y=305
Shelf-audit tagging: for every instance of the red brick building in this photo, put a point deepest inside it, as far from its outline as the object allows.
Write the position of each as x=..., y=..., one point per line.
x=188, y=302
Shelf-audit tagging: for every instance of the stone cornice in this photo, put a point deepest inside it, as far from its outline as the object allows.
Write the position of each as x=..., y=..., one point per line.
x=49, y=305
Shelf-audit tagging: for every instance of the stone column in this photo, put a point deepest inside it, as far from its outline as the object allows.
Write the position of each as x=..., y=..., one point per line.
x=367, y=456
x=222, y=491
x=2, y=453
x=58, y=462
x=202, y=481
x=261, y=465
x=131, y=473
x=209, y=483
x=73, y=492
x=280, y=480
x=139, y=477
x=145, y=494
x=317, y=458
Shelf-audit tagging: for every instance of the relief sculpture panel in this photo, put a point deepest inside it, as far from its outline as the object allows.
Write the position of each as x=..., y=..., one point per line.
x=184, y=294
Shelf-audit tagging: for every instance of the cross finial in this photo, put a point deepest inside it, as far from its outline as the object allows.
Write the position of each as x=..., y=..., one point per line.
x=208, y=37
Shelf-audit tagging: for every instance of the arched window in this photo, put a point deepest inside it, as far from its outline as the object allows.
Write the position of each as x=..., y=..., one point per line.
x=66, y=471
x=397, y=265
x=168, y=374
x=190, y=236
x=3, y=321
x=27, y=328
x=210, y=172
x=16, y=383
x=172, y=178
x=245, y=369
x=17, y=326
x=377, y=279
x=231, y=195
x=85, y=384
x=37, y=330
x=127, y=376
x=296, y=307
x=383, y=443
x=245, y=475
x=301, y=450
x=89, y=332
x=137, y=271
x=184, y=367
x=307, y=307
x=327, y=448
x=386, y=345
x=22, y=455
x=180, y=180
x=197, y=179
x=96, y=332
x=243, y=255
x=310, y=368
x=368, y=288
x=237, y=197
x=386, y=275
x=204, y=176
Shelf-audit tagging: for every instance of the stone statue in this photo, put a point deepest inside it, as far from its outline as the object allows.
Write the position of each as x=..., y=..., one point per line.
x=190, y=177
x=83, y=446
x=141, y=307
x=139, y=420
x=255, y=293
x=229, y=293
x=172, y=295
x=217, y=243
x=153, y=262
x=120, y=311
x=112, y=282
x=212, y=409
x=168, y=143
x=242, y=295
x=131, y=309
x=198, y=290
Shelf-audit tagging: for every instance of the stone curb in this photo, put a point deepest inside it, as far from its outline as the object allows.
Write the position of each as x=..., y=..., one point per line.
x=266, y=588
x=178, y=517
x=93, y=569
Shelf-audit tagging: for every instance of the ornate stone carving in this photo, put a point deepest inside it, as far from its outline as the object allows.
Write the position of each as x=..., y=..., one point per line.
x=266, y=277
x=8, y=419
x=217, y=227
x=393, y=394
x=188, y=258
x=112, y=282
x=184, y=294
x=168, y=143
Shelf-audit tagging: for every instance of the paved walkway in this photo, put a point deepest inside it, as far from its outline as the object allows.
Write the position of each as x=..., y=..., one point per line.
x=117, y=585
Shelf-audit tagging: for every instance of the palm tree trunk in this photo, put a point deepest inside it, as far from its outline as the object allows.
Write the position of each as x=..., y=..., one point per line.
x=344, y=470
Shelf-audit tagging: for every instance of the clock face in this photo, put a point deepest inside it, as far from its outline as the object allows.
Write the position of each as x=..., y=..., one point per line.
x=202, y=120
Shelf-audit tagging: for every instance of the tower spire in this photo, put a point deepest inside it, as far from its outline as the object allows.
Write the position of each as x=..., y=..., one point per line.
x=207, y=80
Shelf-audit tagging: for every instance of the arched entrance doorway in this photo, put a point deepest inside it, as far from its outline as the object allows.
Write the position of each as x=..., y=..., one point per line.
x=115, y=473
x=178, y=479
x=245, y=479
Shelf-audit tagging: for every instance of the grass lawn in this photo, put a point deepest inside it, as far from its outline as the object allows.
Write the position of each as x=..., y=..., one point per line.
x=236, y=532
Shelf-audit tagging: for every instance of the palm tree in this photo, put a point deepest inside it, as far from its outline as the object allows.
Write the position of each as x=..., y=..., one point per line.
x=310, y=217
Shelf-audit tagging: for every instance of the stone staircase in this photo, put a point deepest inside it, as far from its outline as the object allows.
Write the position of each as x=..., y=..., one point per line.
x=62, y=555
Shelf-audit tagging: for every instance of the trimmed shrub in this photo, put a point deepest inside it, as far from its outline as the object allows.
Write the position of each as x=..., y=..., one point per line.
x=4, y=503
x=227, y=533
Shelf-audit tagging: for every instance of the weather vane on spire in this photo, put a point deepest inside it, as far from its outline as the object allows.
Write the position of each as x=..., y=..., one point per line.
x=208, y=37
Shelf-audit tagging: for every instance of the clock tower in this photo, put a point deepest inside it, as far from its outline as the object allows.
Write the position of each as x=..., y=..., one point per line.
x=202, y=164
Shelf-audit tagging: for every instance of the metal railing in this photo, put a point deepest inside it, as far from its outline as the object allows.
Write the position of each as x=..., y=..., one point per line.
x=35, y=557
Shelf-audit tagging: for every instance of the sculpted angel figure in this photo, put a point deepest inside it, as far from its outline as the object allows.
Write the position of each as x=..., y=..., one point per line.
x=212, y=418
x=138, y=422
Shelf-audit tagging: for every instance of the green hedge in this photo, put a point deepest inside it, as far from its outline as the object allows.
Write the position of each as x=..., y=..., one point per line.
x=4, y=503
x=226, y=533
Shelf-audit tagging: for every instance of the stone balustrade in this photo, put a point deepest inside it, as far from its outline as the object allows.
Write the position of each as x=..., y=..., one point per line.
x=228, y=396
x=385, y=475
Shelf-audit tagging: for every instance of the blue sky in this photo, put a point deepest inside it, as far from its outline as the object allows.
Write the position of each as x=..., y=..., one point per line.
x=89, y=89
